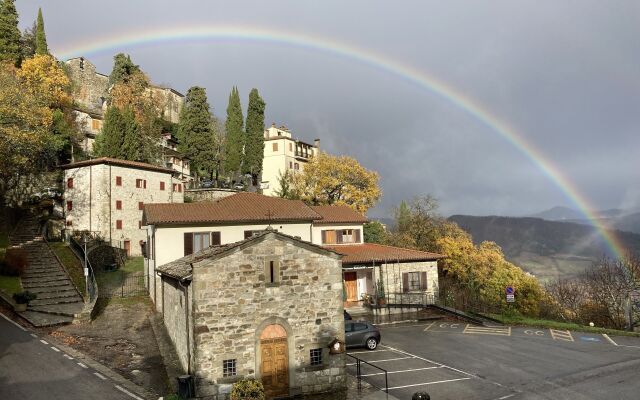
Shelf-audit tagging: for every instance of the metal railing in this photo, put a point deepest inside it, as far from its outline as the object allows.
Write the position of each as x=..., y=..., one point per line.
x=359, y=374
x=91, y=284
x=403, y=299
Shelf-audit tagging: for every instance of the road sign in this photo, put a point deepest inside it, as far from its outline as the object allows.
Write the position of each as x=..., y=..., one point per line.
x=511, y=298
x=509, y=290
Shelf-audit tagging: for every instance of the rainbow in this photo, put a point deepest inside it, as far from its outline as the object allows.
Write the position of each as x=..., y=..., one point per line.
x=117, y=43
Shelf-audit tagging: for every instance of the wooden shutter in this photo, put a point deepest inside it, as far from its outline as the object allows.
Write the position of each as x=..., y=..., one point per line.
x=405, y=282
x=324, y=237
x=248, y=234
x=215, y=238
x=357, y=235
x=339, y=236
x=423, y=280
x=188, y=243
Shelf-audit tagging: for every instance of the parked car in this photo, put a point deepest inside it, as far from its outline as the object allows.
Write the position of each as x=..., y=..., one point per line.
x=206, y=183
x=347, y=316
x=239, y=186
x=361, y=334
x=48, y=193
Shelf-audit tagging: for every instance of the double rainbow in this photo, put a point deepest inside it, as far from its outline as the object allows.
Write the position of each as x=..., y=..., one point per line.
x=119, y=42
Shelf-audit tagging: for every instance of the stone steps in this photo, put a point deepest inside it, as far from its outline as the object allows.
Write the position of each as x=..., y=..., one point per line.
x=71, y=309
x=39, y=319
x=60, y=294
x=52, y=289
x=32, y=284
x=42, y=275
x=54, y=301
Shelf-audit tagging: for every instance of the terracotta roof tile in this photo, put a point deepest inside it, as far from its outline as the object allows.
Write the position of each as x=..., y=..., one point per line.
x=376, y=253
x=240, y=207
x=338, y=215
x=118, y=162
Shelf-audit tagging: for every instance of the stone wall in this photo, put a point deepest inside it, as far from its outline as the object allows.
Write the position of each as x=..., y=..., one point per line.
x=232, y=304
x=392, y=275
x=208, y=194
x=89, y=87
x=174, y=316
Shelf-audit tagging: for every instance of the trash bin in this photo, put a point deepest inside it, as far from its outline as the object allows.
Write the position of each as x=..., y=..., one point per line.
x=185, y=387
x=421, y=396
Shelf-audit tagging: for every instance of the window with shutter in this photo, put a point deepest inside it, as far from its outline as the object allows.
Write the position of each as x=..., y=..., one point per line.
x=188, y=243
x=215, y=239
x=329, y=237
x=339, y=236
x=423, y=280
x=144, y=184
x=70, y=183
x=357, y=236
x=69, y=205
x=118, y=181
x=119, y=224
x=275, y=146
x=118, y=204
x=161, y=185
x=405, y=282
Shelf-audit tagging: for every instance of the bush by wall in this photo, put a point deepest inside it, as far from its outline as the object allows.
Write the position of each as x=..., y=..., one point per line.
x=247, y=389
x=15, y=262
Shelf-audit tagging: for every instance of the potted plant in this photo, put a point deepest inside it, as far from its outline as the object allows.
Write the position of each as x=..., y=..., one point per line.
x=380, y=292
x=22, y=300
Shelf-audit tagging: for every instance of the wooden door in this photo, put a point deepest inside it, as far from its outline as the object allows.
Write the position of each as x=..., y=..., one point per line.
x=351, y=285
x=274, y=367
x=127, y=247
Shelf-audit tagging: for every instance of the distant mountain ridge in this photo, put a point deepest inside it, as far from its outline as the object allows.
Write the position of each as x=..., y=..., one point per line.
x=548, y=249
x=620, y=219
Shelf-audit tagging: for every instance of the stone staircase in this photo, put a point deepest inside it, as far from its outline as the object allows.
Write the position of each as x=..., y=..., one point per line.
x=58, y=301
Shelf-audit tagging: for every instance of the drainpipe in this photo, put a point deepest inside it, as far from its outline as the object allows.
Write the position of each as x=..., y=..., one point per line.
x=186, y=319
x=90, y=193
x=152, y=245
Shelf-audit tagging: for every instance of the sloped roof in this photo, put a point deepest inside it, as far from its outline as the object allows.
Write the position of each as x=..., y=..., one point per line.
x=368, y=253
x=182, y=268
x=338, y=215
x=240, y=207
x=118, y=162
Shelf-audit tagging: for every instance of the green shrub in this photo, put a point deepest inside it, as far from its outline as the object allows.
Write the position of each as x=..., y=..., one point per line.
x=247, y=389
x=24, y=297
x=15, y=262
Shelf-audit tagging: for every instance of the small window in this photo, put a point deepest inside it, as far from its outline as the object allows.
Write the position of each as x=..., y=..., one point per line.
x=290, y=146
x=229, y=368
x=70, y=183
x=296, y=166
x=144, y=185
x=179, y=188
x=201, y=241
x=69, y=223
x=118, y=204
x=161, y=185
x=139, y=224
x=118, y=181
x=140, y=205
x=119, y=224
x=272, y=272
x=139, y=183
x=69, y=205
x=275, y=146
x=414, y=280
x=316, y=356
x=95, y=124
x=290, y=164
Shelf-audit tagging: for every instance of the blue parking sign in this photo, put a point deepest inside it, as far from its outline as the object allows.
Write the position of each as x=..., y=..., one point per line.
x=509, y=290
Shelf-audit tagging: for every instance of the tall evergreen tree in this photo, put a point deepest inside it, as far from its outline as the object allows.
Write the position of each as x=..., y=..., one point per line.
x=28, y=42
x=110, y=141
x=234, y=151
x=10, y=50
x=254, y=140
x=195, y=132
x=133, y=148
x=123, y=68
x=41, y=37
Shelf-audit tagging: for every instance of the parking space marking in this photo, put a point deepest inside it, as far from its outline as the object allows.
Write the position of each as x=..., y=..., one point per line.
x=609, y=339
x=125, y=391
x=82, y=365
x=43, y=341
x=99, y=375
x=429, y=361
x=404, y=370
x=487, y=330
x=428, y=383
x=430, y=325
x=366, y=351
x=386, y=360
x=55, y=349
x=561, y=335
x=68, y=357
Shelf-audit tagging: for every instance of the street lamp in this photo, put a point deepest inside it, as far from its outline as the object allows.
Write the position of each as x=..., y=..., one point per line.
x=85, y=239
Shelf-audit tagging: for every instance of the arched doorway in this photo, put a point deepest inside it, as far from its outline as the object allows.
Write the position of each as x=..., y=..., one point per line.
x=274, y=360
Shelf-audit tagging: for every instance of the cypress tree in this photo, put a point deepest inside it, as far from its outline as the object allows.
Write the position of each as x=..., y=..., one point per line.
x=109, y=142
x=254, y=140
x=234, y=130
x=41, y=37
x=10, y=49
x=132, y=146
x=123, y=68
x=196, y=137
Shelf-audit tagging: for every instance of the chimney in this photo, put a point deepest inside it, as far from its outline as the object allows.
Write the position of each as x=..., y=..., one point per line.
x=316, y=143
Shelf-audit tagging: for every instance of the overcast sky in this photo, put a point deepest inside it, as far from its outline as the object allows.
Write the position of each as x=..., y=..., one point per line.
x=565, y=75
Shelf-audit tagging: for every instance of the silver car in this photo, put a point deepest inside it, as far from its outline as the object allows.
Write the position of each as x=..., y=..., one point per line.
x=361, y=334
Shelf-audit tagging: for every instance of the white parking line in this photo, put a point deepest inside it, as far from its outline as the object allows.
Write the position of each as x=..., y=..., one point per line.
x=428, y=383
x=125, y=391
x=34, y=335
x=430, y=325
x=13, y=322
x=55, y=349
x=68, y=357
x=99, y=375
x=43, y=341
x=609, y=339
x=487, y=330
x=429, y=361
x=367, y=351
x=404, y=370
x=82, y=365
x=379, y=361
x=561, y=335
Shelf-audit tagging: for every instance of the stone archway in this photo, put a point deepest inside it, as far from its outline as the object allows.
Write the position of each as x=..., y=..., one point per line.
x=274, y=360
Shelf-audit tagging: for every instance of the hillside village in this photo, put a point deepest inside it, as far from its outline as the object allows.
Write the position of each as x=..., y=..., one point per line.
x=240, y=253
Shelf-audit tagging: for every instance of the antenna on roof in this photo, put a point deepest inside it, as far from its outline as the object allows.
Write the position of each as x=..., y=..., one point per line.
x=269, y=218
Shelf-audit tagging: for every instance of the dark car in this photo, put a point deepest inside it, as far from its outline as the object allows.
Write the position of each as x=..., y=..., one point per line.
x=361, y=334
x=347, y=316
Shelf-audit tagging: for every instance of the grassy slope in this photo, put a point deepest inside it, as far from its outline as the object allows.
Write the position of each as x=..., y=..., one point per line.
x=71, y=263
x=545, y=323
x=133, y=264
x=10, y=284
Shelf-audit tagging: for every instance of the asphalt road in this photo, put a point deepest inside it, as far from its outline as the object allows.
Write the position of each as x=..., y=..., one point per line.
x=460, y=361
x=31, y=368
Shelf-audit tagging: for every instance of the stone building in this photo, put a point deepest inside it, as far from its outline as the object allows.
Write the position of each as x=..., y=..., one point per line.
x=282, y=152
x=267, y=307
x=106, y=196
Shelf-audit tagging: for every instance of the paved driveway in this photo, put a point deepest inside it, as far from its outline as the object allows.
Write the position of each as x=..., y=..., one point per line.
x=459, y=361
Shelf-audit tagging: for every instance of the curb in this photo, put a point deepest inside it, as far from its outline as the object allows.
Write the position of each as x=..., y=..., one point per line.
x=405, y=321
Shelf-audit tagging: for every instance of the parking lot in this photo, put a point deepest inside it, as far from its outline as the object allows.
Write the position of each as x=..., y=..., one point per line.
x=460, y=361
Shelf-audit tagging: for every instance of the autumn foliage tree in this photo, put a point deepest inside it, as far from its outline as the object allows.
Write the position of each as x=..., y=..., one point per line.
x=339, y=180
